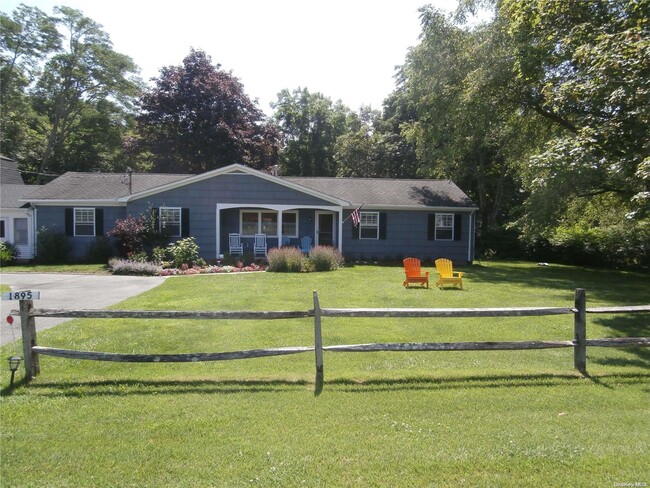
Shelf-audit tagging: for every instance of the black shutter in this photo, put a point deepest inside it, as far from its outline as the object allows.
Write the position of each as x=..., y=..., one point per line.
x=383, y=224
x=69, y=221
x=458, y=226
x=431, y=227
x=185, y=222
x=99, y=221
x=355, y=230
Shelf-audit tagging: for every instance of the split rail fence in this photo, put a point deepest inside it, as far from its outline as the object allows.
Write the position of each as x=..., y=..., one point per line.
x=579, y=343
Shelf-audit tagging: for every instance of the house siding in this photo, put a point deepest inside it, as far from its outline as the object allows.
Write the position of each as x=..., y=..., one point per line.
x=53, y=219
x=406, y=235
x=202, y=198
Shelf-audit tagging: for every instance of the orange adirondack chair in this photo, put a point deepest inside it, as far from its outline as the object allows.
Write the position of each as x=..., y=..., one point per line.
x=413, y=273
x=446, y=274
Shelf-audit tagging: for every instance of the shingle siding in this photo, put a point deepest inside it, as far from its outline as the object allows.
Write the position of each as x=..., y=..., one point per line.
x=406, y=235
x=406, y=204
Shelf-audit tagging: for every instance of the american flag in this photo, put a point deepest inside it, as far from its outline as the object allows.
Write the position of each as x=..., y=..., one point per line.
x=356, y=216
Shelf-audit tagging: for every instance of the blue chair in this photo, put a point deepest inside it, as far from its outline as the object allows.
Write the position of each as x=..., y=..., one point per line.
x=285, y=241
x=305, y=244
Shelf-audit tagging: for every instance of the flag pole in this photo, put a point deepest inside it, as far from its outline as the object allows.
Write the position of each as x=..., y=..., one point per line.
x=356, y=210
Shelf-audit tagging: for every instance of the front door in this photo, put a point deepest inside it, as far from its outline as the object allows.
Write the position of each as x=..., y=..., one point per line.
x=325, y=229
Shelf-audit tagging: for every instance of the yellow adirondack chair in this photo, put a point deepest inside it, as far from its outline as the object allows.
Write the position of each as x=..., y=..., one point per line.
x=446, y=274
x=413, y=273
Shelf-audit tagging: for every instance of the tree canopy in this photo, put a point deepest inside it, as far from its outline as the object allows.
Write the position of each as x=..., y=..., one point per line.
x=197, y=117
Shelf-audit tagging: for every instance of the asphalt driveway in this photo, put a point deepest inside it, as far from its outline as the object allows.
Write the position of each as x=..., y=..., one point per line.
x=60, y=290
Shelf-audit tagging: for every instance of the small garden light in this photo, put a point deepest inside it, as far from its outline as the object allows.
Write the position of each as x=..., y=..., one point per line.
x=14, y=362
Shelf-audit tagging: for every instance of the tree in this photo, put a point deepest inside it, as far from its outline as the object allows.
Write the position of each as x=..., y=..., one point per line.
x=585, y=67
x=310, y=124
x=466, y=125
x=88, y=71
x=26, y=38
x=198, y=118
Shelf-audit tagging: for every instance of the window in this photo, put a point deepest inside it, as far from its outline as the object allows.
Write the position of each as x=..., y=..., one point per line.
x=20, y=232
x=369, y=225
x=2, y=229
x=84, y=221
x=444, y=227
x=170, y=221
x=290, y=224
x=258, y=222
x=269, y=223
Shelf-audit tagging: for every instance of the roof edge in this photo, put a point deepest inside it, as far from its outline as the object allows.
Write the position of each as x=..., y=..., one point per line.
x=233, y=169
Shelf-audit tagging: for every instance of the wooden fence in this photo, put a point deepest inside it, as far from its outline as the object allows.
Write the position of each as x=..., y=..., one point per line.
x=579, y=343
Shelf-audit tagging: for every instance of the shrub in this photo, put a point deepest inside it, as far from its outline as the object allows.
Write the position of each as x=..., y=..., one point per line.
x=325, y=258
x=159, y=255
x=8, y=253
x=129, y=233
x=185, y=251
x=52, y=248
x=100, y=251
x=286, y=259
x=127, y=267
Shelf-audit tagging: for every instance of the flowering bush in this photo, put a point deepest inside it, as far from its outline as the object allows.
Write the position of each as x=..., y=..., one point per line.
x=286, y=259
x=128, y=267
x=186, y=270
x=325, y=258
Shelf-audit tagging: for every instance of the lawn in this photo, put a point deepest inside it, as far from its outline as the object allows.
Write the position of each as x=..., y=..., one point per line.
x=491, y=418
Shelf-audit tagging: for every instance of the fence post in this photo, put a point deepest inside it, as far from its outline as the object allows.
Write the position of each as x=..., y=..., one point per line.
x=318, y=344
x=28, y=328
x=580, y=331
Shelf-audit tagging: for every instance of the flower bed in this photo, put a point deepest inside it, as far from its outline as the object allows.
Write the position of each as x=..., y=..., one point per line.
x=186, y=270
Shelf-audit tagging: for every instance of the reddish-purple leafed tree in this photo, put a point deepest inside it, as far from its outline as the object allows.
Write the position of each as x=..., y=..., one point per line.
x=197, y=118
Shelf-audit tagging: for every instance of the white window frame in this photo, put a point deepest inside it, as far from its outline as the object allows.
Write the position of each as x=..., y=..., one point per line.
x=79, y=212
x=297, y=233
x=369, y=221
x=162, y=222
x=260, y=223
x=443, y=218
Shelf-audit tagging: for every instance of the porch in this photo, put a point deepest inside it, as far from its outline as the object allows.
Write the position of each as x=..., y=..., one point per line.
x=323, y=224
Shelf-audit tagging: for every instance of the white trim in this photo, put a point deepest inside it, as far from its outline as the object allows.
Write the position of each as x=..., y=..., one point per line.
x=317, y=226
x=378, y=214
x=73, y=203
x=379, y=207
x=435, y=226
x=74, y=222
x=180, y=220
x=470, y=238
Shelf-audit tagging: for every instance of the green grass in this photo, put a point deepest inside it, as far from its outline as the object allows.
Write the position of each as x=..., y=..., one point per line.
x=522, y=418
x=56, y=268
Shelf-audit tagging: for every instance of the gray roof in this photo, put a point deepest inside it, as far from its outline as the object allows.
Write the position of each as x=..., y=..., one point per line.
x=10, y=195
x=101, y=186
x=388, y=192
x=9, y=172
x=369, y=191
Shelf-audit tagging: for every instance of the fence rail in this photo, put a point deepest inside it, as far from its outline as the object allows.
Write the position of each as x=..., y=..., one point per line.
x=579, y=343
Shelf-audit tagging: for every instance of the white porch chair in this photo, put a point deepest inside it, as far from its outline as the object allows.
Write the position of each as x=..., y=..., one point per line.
x=235, y=245
x=259, y=248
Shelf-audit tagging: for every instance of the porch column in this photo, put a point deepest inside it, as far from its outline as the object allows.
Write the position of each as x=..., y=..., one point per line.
x=279, y=230
x=340, y=239
x=218, y=232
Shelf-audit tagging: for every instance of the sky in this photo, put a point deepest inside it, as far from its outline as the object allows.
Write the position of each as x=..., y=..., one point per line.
x=347, y=50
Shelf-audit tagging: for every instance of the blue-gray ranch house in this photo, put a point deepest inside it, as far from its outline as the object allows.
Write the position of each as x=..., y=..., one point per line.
x=421, y=218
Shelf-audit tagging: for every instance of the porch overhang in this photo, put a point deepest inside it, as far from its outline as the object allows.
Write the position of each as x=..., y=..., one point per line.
x=279, y=209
